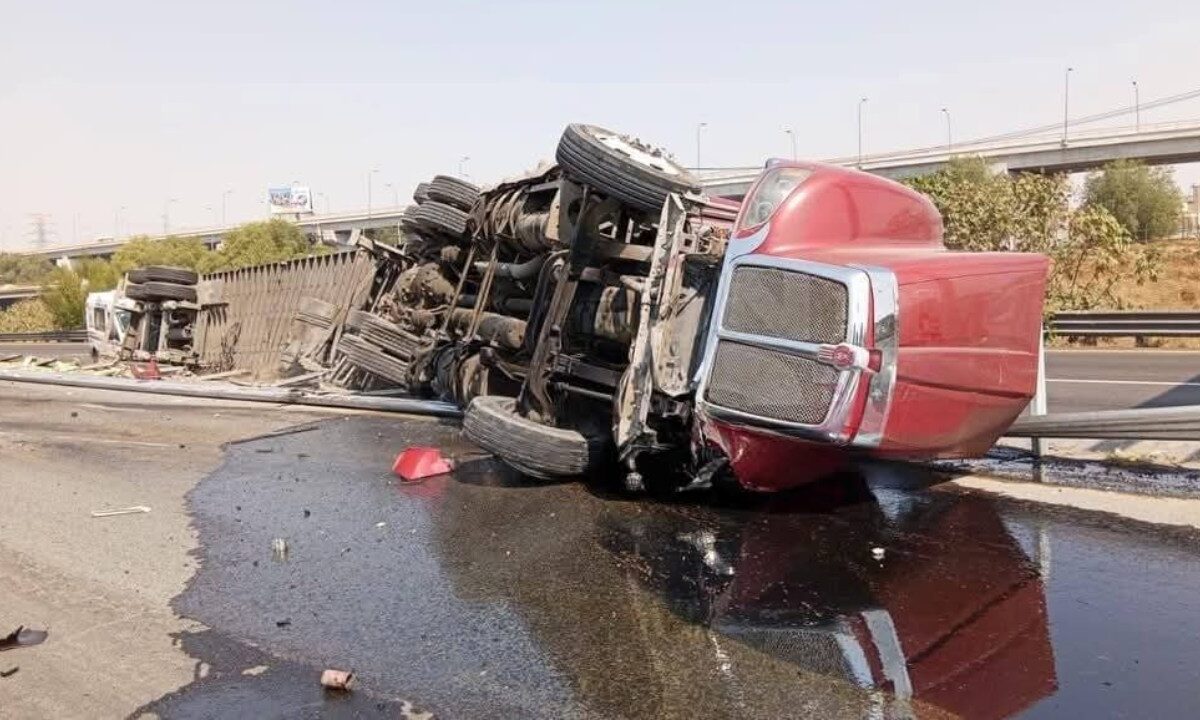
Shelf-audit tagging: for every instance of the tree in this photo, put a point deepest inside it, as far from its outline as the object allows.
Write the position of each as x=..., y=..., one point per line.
x=142, y=250
x=1089, y=249
x=1143, y=199
x=23, y=269
x=65, y=290
x=257, y=243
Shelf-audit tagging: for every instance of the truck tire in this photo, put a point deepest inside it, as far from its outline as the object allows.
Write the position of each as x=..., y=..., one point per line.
x=365, y=356
x=453, y=191
x=155, y=291
x=421, y=193
x=385, y=335
x=621, y=167
x=542, y=451
x=164, y=273
x=408, y=217
x=442, y=218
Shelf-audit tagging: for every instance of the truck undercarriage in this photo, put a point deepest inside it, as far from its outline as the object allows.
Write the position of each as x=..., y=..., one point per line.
x=602, y=315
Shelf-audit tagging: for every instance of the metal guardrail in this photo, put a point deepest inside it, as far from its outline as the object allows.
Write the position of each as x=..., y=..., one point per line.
x=66, y=336
x=1165, y=423
x=1131, y=323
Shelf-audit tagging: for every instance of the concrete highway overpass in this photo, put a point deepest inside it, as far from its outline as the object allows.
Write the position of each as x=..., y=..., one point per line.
x=1161, y=144
x=331, y=228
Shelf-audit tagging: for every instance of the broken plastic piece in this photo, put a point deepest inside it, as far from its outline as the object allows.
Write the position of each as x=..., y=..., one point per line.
x=22, y=637
x=145, y=371
x=337, y=679
x=418, y=463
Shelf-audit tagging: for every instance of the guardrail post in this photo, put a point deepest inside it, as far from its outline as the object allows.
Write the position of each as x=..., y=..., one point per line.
x=1038, y=405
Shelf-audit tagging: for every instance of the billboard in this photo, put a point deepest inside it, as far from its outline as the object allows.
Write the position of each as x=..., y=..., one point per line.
x=289, y=200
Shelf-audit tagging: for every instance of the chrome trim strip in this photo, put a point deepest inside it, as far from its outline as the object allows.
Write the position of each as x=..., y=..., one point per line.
x=886, y=295
x=792, y=347
x=858, y=312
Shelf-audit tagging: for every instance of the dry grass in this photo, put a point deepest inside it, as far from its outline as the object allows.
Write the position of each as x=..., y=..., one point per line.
x=1177, y=288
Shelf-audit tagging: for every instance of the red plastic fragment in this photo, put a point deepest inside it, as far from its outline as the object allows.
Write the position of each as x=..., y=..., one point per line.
x=145, y=371
x=418, y=463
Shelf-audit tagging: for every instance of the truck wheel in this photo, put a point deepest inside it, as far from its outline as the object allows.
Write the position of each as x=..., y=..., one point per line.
x=620, y=166
x=542, y=451
x=452, y=191
x=365, y=356
x=442, y=218
x=164, y=273
x=384, y=334
x=155, y=290
x=408, y=217
x=421, y=193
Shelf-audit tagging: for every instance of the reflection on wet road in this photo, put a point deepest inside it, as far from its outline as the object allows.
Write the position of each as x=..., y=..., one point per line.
x=479, y=595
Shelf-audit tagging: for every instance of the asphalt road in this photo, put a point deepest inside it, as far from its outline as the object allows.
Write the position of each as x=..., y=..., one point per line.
x=1079, y=380
x=481, y=594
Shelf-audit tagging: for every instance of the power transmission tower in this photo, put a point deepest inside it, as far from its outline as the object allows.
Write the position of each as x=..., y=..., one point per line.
x=41, y=229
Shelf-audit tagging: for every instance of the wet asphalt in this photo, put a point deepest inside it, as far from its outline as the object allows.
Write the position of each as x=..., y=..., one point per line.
x=483, y=595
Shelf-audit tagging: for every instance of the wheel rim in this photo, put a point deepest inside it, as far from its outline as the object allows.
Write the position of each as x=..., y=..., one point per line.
x=637, y=153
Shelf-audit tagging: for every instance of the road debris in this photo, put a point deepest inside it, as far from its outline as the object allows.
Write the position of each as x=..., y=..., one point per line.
x=9, y=672
x=22, y=637
x=134, y=510
x=418, y=463
x=337, y=679
x=877, y=553
x=279, y=549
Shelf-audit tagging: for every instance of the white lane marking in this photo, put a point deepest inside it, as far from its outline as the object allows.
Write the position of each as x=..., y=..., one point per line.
x=1158, y=383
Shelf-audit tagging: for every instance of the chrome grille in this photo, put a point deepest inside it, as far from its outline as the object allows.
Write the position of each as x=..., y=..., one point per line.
x=770, y=384
x=786, y=304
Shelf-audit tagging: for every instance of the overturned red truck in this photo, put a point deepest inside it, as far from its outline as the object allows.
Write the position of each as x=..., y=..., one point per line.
x=604, y=314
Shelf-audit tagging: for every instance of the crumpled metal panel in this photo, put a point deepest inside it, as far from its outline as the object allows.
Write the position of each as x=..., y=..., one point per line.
x=244, y=325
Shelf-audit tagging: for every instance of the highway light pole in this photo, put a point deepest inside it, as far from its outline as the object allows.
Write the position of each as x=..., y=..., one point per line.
x=395, y=204
x=370, y=175
x=167, y=216
x=1137, y=108
x=462, y=162
x=861, y=102
x=117, y=221
x=791, y=136
x=949, y=134
x=1066, y=101
x=699, y=127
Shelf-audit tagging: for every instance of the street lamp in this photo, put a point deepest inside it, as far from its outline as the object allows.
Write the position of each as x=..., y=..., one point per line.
x=167, y=216
x=370, y=175
x=949, y=135
x=861, y=102
x=699, y=127
x=1137, y=108
x=224, y=195
x=1066, y=101
x=792, y=136
x=462, y=161
x=117, y=221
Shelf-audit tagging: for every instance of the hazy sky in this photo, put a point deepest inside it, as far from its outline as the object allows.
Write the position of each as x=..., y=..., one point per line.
x=111, y=104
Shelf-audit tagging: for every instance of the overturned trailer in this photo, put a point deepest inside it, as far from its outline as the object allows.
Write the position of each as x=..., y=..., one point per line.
x=603, y=313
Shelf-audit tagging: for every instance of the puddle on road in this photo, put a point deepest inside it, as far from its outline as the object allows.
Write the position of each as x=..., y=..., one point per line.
x=481, y=595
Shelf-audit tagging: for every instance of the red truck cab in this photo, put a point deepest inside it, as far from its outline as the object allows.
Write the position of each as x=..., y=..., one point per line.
x=843, y=322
